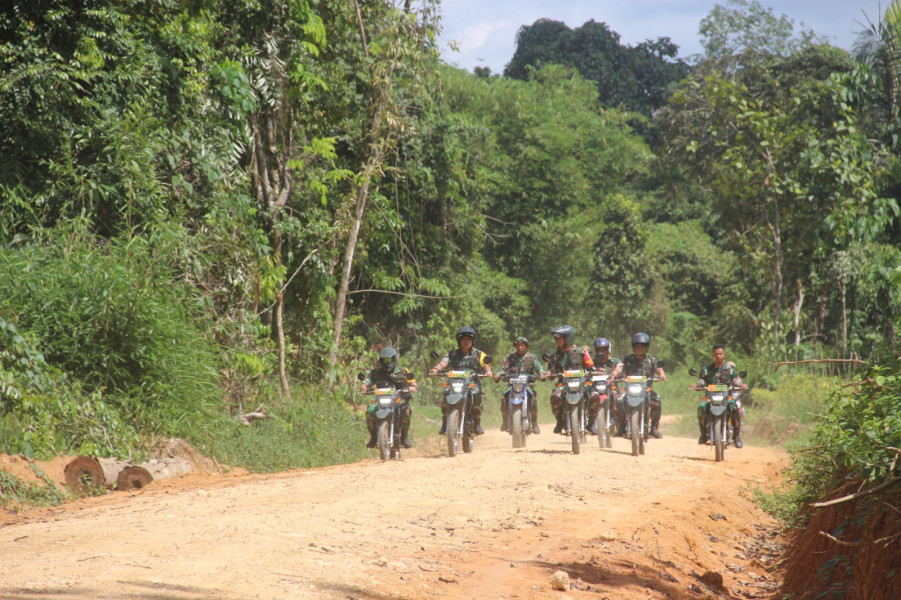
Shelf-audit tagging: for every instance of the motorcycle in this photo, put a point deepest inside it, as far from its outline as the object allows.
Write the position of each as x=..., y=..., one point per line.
x=389, y=402
x=719, y=415
x=517, y=413
x=457, y=406
x=636, y=402
x=604, y=388
x=574, y=383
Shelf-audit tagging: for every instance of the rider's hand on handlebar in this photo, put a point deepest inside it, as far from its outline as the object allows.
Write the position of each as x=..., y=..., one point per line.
x=433, y=371
x=497, y=377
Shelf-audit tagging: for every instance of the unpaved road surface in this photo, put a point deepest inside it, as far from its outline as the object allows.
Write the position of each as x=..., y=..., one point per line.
x=496, y=523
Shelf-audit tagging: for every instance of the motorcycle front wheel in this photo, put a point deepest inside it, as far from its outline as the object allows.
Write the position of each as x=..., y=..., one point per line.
x=603, y=432
x=384, y=442
x=635, y=431
x=516, y=428
x=453, y=425
x=718, y=443
x=575, y=428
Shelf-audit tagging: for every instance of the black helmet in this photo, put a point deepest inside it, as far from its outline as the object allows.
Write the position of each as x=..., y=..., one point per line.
x=466, y=332
x=641, y=338
x=388, y=358
x=602, y=343
x=567, y=332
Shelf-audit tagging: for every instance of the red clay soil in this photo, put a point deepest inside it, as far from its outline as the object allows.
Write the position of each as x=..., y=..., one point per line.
x=850, y=550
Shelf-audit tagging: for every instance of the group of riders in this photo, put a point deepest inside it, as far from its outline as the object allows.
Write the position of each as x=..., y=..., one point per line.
x=568, y=355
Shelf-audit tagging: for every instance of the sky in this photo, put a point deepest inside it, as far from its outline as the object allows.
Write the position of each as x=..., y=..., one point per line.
x=484, y=31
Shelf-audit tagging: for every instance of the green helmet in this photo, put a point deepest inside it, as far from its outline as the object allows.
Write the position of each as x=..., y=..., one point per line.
x=567, y=332
x=388, y=358
x=641, y=338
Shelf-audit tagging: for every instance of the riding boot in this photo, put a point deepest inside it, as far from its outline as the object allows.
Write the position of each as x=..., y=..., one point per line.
x=655, y=431
x=533, y=421
x=443, y=429
x=477, y=426
x=405, y=438
x=372, y=441
x=703, y=439
x=592, y=424
x=560, y=426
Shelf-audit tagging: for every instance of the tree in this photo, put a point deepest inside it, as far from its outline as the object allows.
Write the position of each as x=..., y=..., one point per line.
x=636, y=78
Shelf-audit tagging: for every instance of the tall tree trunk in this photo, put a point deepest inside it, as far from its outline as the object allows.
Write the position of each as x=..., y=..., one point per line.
x=272, y=147
x=796, y=313
x=377, y=144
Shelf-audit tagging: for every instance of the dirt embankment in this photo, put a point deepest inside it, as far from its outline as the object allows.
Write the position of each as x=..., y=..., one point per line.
x=497, y=523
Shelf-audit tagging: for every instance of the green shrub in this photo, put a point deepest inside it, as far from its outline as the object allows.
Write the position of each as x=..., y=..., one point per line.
x=109, y=338
x=18, y=493
x=312, y=431
x=855, y=438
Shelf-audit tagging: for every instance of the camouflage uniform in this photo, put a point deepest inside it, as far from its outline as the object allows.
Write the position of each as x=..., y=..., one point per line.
x=713, y=374
x=594, y=402
x=527, y=364
x=632, y=365
x=576, y=358
x=396, y=378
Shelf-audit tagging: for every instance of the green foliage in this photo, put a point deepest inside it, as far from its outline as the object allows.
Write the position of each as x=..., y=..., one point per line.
x=315, y=431
x=636, y=78
x=18, y=493
x=111, y=319
x=746, y=27
x=856, y=438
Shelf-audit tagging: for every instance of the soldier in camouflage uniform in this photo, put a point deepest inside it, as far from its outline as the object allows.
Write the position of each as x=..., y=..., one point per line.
x=640, y=363
x=719, y=372
x=521, y=362
x=567, y=356
x=389, y=374
x=603, y=363
x=466, y=357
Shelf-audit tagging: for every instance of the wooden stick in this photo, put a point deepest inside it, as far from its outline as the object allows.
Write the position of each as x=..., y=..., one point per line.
x=855, y=361
x=840, y=542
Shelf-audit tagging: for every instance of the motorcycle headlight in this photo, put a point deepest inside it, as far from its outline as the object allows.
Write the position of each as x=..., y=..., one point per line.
x=573, y=385
x=385, y=401
x=634, y=390
x=716, y=397
x=457, y=387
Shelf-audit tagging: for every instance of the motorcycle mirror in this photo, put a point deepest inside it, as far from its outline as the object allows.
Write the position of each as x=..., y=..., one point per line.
x=692, y=372
x=487, y=359
x=546, y=357
x=434, y=354
x=743, y=374
x=410, y=376
x=361, y=376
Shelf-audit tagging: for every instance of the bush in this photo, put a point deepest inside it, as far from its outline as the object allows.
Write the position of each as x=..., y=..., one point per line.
x=109, y=342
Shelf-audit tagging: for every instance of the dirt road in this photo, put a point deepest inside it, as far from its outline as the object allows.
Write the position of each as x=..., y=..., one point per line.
x=497, y=523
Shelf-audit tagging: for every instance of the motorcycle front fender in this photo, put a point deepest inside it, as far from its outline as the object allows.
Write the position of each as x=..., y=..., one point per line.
x=634, y=401
x=573, y=397
x=517, y=399
x=453, y=399
x=717, y=409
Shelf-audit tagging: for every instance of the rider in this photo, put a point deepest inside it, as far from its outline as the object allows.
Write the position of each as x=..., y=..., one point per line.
x=465, y=356
x=521, y=362
x=567, y=356
x=603, y=363
x=389, y=374
x=720, y=372
x=640, y=363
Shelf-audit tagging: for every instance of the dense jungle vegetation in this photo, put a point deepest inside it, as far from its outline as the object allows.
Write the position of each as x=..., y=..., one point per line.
x=220, y=207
